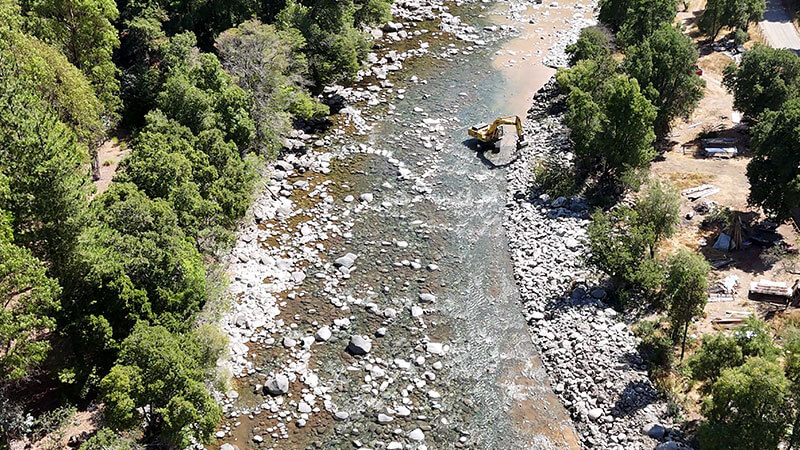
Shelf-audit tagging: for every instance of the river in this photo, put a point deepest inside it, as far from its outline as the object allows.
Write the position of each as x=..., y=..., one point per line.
x=433, y=225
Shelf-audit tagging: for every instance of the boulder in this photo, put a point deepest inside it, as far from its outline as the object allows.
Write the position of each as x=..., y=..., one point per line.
x=359, y=345
x=277, y=385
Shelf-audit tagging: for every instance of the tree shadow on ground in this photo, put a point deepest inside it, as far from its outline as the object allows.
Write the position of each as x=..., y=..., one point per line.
x=636, y=396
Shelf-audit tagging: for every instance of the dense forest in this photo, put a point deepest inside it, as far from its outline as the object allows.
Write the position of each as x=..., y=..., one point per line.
x=101, y=291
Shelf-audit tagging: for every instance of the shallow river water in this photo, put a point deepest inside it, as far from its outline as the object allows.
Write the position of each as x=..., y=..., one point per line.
x=491, y=387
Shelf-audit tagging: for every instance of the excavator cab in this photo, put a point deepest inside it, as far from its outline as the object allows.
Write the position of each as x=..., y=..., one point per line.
x=490, y=134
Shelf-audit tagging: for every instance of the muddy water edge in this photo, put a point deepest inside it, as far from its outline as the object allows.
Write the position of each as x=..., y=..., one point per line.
x=489, y=389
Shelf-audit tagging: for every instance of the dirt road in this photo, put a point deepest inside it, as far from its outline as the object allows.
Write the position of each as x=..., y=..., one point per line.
x=778, y=27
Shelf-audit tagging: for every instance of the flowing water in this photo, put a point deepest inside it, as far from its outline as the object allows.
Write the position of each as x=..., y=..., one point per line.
x=494, y=391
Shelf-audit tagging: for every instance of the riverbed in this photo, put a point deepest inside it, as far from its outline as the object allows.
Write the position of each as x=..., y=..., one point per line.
x=390, y=229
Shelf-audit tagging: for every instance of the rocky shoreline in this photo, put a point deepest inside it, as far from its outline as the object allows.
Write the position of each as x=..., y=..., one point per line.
x=588, y=350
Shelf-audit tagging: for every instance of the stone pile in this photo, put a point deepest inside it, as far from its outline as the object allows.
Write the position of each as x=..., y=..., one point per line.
x=588, y=350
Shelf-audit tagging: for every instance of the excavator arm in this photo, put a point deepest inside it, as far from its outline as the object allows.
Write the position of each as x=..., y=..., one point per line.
x=492, y=133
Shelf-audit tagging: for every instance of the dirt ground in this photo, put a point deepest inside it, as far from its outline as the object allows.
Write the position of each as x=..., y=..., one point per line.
x=110, y=153
x=683, y=166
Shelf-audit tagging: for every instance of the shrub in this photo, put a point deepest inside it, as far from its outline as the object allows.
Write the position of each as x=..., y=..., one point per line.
x=555, y=177
x=717, y=353
x=654, y=345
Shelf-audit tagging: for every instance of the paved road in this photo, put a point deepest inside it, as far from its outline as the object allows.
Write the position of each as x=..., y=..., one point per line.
x=778, y=27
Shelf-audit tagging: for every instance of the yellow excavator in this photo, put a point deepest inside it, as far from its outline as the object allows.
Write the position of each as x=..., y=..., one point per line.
x=491, y=133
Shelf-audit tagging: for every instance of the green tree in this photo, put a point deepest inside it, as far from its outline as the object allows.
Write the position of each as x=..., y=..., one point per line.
x=372, y=12
x=107, y=439
x=717, y=353
x=593, y=43
x=729, y=13
x=47, y=173
x=643, y=17
x=659, y=206
x=774, y=170
x=791, y=347
x=29, y=301
x=754, y=339
x=613, y=12
x=748, y=408
x=269, y=64
x=685, y=290
x=201, y=96
x=619, y=244
x=765, y=79
x=135, y=263
x=335, y=47
x=160, y=369
x=664, y=66
x=613, y=133
x=205, y=180
x=587, y=75
x=51, y=76
x=83, y=31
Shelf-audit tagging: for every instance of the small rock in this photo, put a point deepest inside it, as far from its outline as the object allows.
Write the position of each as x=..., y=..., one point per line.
x=323, y=334
x=416, y=435
x=346, y=261
x=277, y=385
x=359, y=345
x=595, y=413
x=655, y=431
x=426, y=297
x=383, y=419
x=434, y=348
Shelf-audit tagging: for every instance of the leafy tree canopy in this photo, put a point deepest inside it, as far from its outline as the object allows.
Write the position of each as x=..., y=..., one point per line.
x=269, y=64
x=765, y=79
x=748, y=407
x=160, y=369
x=658, y=206
x=50, y=75
x=717, y=353
x=634, y=20
x=135, y=263
x=729, y=13
x=686, y=292
x=593, y=43
x=664, y=66
x=29, y=301
x=84, y=32
x=47, y=172
x=619, y=243
x=612, y=131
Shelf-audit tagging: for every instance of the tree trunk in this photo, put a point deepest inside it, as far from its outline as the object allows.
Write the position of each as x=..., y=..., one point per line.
x=683, y=344
x=96, y=165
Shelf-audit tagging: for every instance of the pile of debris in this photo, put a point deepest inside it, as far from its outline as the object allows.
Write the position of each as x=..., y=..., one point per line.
x=702, y=191
x=720, y=147
x=723, y=290
x=771, y=290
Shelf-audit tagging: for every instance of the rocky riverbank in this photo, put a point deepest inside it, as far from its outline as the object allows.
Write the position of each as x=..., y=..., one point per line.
x=588, y=349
